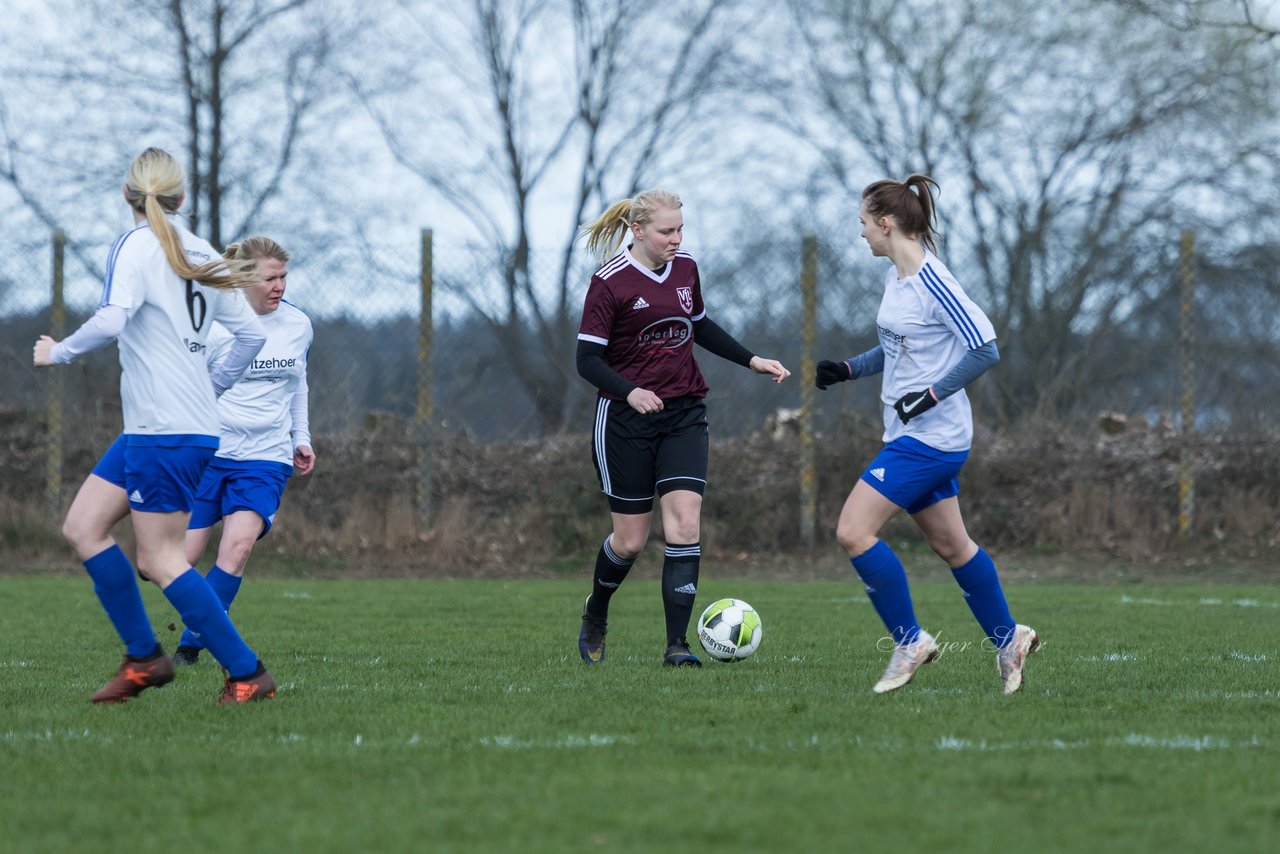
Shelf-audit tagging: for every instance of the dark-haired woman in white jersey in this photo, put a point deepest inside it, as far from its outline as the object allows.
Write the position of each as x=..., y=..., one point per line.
x=933, y=342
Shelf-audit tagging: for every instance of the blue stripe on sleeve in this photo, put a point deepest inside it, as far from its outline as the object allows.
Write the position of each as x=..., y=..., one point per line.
x=968, y=329
x=111, y=264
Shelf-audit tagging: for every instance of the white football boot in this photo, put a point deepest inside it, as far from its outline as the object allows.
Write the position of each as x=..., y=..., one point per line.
x=1012, y=658
x=905, y=661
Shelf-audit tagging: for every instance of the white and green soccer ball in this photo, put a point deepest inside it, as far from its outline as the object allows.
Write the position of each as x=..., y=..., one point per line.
x=729, y=630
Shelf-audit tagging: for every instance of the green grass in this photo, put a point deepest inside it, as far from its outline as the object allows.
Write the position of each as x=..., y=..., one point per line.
x=455, y=715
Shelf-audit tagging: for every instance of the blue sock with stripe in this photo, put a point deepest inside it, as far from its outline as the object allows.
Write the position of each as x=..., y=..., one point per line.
x=225, y=587
x=203, y=613
x=985, y=598
x=116, y=584
x=885, y=581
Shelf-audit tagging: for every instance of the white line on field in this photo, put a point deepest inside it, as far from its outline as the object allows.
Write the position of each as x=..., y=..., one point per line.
x=510, y=742
x=1239, y=603
x=1247, y=656
x=1236, y=695
x=1177, y=742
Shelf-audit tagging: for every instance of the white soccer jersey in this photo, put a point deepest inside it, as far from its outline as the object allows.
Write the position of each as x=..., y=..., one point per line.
x=256, y=412
x=165, y=387
x=926, y=323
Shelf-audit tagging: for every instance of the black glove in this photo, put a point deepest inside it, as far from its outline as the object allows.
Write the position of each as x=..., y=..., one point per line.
x=913, y=403
x=830, y=373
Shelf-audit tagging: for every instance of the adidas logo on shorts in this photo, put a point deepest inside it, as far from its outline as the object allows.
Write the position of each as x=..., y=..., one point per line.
x=878, y=474
x=136, y=497
x=639, y=304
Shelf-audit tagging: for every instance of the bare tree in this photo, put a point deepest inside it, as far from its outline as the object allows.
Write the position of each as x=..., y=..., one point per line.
x=1066, y=142
x=216, y=53
x=243, y=88
x=524, y=115
x=1243, y=16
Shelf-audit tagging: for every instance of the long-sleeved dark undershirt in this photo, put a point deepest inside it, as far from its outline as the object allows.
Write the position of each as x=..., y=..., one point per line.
x=706, y=333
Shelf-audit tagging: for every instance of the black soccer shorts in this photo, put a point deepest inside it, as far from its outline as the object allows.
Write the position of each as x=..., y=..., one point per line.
x=637, y=455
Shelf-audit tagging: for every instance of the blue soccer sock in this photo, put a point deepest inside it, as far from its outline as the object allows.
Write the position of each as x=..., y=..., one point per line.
x=225, y=587
x=886, y=584
x=203, y=613
x=117, y=587
x=985, y=598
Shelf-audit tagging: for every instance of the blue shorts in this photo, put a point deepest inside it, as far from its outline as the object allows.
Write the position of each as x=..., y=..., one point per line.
x=229, y=486
x=160, y=473
x=111, y=467
x=913, y=475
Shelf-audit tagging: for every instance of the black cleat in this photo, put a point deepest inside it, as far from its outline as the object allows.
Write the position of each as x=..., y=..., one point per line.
x=591, y=636
x=678, y=655
x=186, y=656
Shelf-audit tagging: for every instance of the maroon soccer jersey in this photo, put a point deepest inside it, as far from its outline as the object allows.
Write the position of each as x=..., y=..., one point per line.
x=645, y=320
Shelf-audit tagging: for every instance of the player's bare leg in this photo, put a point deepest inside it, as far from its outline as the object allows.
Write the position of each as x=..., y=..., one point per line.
x=240, y=532
x=162, y=553
x=617, y=554
x=865, y=512
x=975, y=572
x=681, y=528
x=97, y=507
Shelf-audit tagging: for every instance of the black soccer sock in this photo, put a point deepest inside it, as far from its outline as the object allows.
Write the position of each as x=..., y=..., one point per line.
x=611, y=570
x=679, y=587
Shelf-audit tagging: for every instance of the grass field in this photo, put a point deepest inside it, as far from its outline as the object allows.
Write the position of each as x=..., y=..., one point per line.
x=455, y=715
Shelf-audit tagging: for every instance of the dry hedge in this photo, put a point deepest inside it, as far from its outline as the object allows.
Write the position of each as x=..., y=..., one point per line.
x=533, y=508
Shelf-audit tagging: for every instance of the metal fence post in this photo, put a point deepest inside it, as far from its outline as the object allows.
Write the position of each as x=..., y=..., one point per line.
x=53, y=401
x=809, y=335
x=1186, y=346
x=425, y=412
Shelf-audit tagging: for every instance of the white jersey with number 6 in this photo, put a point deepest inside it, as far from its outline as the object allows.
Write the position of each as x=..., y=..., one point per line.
x=926, y=323
x=165, y=387
x=257, y=412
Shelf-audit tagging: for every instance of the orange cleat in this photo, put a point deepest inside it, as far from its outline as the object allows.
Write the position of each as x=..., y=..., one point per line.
x=134, y=677
x=254, y=688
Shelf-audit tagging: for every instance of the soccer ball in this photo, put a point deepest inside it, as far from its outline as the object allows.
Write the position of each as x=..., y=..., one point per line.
x=729, y=630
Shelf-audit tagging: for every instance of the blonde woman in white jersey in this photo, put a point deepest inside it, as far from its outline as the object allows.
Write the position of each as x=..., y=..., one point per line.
x=164, y=288
x=265, y=434
x=933, y=342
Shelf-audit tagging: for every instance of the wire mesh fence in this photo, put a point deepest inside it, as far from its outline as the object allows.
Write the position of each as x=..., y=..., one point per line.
x=504, y=333
x=498, y=364
x=505, y=328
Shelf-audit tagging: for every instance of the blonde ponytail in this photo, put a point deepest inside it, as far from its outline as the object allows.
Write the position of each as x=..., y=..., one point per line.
x=605, y=234
x=153, y=187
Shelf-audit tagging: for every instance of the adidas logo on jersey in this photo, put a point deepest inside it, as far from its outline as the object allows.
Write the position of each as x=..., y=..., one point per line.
x=878, y=474
x=688, y=588
x=639, y=304
x=136, y=497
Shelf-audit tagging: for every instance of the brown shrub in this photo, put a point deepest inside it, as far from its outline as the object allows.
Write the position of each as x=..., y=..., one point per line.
x=534, y=509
